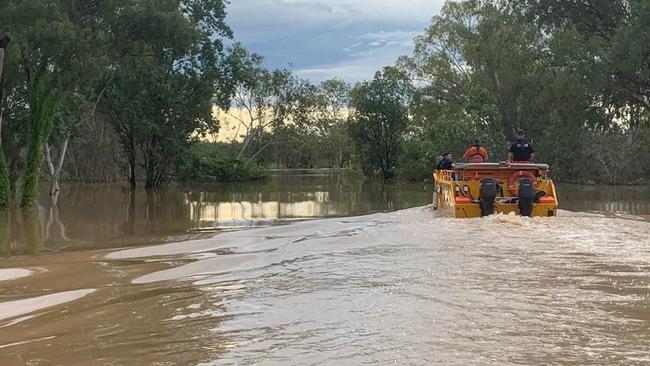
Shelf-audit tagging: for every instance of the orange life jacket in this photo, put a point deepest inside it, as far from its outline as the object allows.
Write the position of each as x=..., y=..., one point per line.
x=476, y=154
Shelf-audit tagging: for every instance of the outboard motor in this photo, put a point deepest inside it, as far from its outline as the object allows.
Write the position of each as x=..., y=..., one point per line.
x=526, y=195
x=488, y=189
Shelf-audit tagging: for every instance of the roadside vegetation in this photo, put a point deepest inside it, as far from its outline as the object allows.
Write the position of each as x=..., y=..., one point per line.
x=126, y=90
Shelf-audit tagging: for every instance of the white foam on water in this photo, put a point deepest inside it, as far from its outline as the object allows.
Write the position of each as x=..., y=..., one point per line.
x=7, y=274
x=25, y=342
x=265, y=247
x=10, y=309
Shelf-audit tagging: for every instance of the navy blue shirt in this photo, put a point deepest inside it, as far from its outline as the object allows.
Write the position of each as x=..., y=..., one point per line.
x=444, y=164
x=521, y=150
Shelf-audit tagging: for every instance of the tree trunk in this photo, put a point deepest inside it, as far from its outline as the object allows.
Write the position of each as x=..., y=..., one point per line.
x=5, y=183
x=5, y=232
x=44, y=103
x=2, y=60
x=54, y=168
x=131, y=158
x=247, y=141
x=150, y=173
x=130, y=214
x=51, y=170
x=339, y=158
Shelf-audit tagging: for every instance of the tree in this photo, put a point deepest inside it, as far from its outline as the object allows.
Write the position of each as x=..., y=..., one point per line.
x=169, y=71
x=45, y=38
x=378, y=119
x=600, y=45
x=322, y=111
x=486, y=71
x=5, y=186
x=263, y=99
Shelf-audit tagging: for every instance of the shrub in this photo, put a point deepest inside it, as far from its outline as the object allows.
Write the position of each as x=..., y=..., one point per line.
x=221, y=169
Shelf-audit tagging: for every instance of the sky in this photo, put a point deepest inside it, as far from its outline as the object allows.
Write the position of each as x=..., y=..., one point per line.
x=324, y=39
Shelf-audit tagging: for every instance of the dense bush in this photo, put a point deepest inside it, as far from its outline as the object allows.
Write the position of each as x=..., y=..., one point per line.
x=221, y=169
x=416, y=161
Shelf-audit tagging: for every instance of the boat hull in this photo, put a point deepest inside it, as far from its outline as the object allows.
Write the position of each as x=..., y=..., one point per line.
x=457, y=192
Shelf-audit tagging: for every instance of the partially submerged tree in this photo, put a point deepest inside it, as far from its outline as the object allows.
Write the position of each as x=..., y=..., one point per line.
x=43, y=37
x=378, y=119
x=167, y=76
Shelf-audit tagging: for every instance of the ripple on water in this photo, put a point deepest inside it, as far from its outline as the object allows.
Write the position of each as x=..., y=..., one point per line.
x=415, y=289
x=394, y=288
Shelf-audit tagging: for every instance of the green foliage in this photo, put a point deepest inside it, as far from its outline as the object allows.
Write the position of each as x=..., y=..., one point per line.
x=415, y=164
x=264, y=100
x=5, y=184
x=44, y=104
x=5, y=232
x=50, y=60
x=378, y=120
x=222, y=169
x=166, y=80
x=574, y=75
x=148, y=74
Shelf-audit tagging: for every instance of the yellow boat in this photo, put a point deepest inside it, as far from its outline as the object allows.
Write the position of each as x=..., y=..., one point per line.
x=481, y=189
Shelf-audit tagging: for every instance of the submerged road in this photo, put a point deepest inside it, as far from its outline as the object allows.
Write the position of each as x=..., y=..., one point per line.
x=401, y=288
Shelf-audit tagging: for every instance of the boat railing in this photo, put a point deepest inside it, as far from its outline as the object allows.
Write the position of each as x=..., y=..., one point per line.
x=498, y=171
x=500, y=165
x=445, y=175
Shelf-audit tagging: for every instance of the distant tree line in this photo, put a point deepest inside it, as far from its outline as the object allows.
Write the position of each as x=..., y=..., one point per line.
x=575, y=75
x=126, y=89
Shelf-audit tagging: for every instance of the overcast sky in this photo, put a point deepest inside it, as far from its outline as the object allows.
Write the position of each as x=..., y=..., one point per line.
x=323, y=39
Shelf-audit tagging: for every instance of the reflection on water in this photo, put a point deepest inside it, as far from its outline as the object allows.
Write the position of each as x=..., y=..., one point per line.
x=101, y=216
x=107, y=216
x=634, y=200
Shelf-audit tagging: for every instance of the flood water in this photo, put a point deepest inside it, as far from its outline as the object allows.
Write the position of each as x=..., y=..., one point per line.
x=316, y=268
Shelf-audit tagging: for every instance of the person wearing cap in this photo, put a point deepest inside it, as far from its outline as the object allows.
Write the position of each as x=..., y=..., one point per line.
x=476, y=153
x=445, y=163
x=521, y=149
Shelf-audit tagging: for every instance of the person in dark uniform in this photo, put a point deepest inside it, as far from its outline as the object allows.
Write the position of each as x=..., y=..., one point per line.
x=445, y=163
x=521, y=149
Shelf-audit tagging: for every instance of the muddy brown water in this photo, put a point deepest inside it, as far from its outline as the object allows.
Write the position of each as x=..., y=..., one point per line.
x=314, y=268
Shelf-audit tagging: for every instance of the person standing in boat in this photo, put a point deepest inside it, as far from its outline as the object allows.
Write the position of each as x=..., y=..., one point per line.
x=476, y=153
x=445, y=163
x=521, y=149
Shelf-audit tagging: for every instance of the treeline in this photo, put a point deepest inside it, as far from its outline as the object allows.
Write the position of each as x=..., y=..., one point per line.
x=125, y=89
x=575, y=75
x=81, y=77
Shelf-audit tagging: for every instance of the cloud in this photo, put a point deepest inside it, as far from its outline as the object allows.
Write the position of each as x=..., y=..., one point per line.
x=391, y=10
x=369, y=53
x=399, y=41
x=349, y=39
x=385, y=37
x=358, y=68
